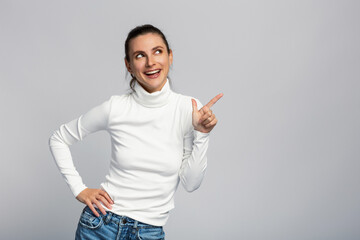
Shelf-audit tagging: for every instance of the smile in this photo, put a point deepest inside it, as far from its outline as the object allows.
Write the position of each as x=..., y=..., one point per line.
x=153, y=73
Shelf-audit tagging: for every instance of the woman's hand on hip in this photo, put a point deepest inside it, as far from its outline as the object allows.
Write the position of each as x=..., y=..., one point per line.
x=204, y=120
x=90, y=195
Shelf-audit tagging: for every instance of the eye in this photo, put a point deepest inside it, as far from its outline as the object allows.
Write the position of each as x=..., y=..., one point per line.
x=158, y=51
x=139, y=55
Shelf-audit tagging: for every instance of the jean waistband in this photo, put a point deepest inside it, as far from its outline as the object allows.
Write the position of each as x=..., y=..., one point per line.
x=120, y=219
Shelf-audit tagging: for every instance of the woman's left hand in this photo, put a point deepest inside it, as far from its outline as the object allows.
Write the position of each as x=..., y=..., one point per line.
x=204, y=120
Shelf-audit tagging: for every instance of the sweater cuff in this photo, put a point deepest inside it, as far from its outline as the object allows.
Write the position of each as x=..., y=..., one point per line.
x=198, y=134
x=78, y=189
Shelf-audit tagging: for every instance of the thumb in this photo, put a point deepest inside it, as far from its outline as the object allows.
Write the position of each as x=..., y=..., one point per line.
x=194, y=105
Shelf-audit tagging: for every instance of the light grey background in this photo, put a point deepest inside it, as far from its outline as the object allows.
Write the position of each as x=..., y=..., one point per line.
x=284, y=159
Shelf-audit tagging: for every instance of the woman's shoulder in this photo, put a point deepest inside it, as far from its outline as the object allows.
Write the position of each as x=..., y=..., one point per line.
x=118, y=98
x=186, y=102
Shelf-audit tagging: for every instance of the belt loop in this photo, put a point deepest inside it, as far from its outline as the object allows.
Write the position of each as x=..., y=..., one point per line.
x=135, y=224
x=108, y=217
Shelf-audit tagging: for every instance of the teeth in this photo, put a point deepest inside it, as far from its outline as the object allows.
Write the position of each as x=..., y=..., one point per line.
x=152, y=72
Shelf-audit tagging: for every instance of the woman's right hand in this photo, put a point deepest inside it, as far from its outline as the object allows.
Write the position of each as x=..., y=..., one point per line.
x=92, y=195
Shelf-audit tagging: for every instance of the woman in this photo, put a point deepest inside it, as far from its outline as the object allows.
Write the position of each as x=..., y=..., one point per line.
x=158, y=139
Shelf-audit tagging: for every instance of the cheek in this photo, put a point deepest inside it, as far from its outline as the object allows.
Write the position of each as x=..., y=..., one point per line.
x=165, y=62
x=138, y=66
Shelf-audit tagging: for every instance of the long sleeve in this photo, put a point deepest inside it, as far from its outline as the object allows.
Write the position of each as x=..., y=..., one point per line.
x=194, y=163
x=76, y=130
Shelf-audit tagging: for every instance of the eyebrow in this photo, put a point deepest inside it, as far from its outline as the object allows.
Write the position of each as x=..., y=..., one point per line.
x=154, y=48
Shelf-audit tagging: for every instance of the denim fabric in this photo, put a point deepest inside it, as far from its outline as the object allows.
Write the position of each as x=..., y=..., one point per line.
x=113, y=226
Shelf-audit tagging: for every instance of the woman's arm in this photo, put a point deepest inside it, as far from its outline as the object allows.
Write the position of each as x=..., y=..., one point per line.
x=196, y=143
x=76, y=130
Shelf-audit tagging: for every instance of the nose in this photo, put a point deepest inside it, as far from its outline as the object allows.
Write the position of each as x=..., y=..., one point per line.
x=150, y=61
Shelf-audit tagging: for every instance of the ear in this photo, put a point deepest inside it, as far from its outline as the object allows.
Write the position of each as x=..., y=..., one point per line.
x=171, y=57
x=127, y=64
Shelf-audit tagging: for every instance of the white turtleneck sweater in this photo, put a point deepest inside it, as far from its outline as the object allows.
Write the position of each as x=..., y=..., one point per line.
x=153, y=147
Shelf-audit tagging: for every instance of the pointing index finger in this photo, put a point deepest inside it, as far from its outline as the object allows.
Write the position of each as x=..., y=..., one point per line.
x=214, y=100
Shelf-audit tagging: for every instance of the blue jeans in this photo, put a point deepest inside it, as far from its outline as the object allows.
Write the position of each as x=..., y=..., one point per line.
x=113, y=226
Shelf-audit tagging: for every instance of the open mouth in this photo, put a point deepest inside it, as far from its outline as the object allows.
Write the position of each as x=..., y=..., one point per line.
x=153, y=73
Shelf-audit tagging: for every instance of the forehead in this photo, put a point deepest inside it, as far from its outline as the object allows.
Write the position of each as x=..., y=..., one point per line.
x=146, y=42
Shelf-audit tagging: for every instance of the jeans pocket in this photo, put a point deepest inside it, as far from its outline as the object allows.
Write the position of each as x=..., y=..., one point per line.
x=151, y=233
x=89, y=220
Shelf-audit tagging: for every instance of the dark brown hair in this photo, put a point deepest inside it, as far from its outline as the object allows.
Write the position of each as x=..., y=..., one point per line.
x=141, y=30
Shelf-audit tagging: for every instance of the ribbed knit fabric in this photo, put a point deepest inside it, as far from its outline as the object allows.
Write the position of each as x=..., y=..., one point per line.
x=153, y=147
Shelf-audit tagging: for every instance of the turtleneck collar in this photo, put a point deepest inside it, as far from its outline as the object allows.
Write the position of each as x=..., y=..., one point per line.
x=155, y=99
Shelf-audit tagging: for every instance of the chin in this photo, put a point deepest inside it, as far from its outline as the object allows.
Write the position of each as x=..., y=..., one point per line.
x=154, y=83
